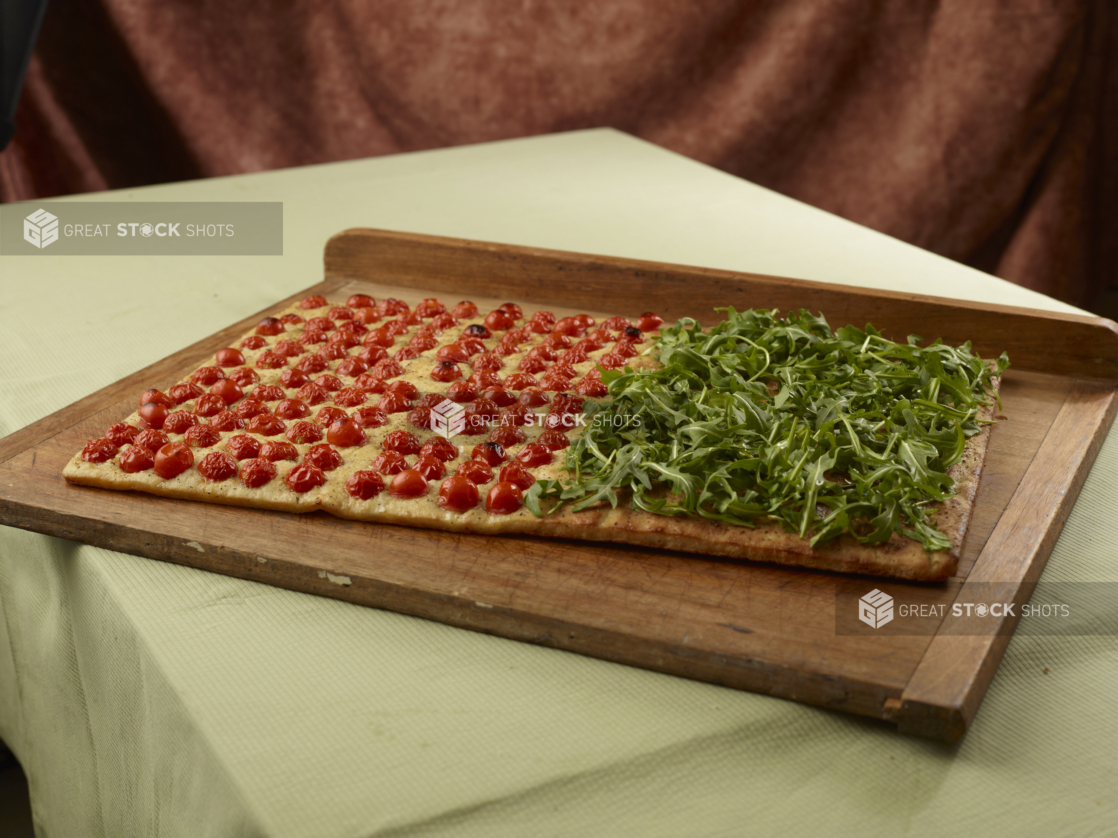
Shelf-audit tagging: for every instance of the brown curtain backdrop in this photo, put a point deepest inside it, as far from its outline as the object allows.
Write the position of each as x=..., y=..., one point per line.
x=985, y=131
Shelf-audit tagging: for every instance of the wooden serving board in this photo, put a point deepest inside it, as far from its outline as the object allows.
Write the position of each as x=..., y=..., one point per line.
x=752, y=626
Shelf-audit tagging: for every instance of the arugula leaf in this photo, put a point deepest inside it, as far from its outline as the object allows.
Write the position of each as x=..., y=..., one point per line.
x=765, y=417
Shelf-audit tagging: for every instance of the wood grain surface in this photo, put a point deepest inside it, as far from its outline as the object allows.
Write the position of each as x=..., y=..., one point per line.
x=747, y=625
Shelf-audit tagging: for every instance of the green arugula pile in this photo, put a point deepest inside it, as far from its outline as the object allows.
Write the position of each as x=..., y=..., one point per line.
x=769, y=418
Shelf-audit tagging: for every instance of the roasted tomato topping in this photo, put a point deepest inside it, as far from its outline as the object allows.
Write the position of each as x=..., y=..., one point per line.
x=444, y=321
x=370, y=417
x=439, y=448
x=477, y=331
x=293, y=378
x=312, y=394
x=217, y=466
x=479, y=413
x=267, y=393
x=154, y=414
x=156, y=397
x=624, y=348
x=364, y=485
x=504, y=499
x=185, y=392
x=122, y=433
x=270, y=326
x=178, y=421
x=430, y=307
x=533, y=397
x=151, y=439
x=507, y=436
x=532, y=364
x=345, y=433
x=390, y=306
x=401, y=442
x=406, y=353
x=350, y=397
x=227, y=420
x=584, y=321
x=316, y=301
x=573, y=356
x=395, y=327
x=453, y=352
x=592, y=387
x=484, y=378
x=209, y=405
x=386, y=369
x=554, y=440
x=516, y=416
x=464, y=310
x=201, y=436
x=312, y=364
x=516, y=473
x=420, y=417
x=360, y=301
x=227, y=390
x=520, y=380
x=512, y=309
x=331, y=352
x=491, y=453
x=534, y=455
x=649, y=322
x=487, y=361
x=446, y=371
x=329, y=415
x=475, y=471
x=323, y=457
x=389, y=462
x=242, y=447
x=173, y=459
x=368, y=384
x=274, y=451
x=98, y=451
x=230, y=358
x=381, y=337
x=330, y=383
x=303, y=478
x=291, y=319
x=134, y=459
x=569, y=326
x=243, y=377
x=458, y=494
x=461, y=392
x=292, y=409
x=287, y=348
x=257, y=473
x=366, y=315
x=394, y=403
x=499, y=320
x=409, y=483
x=611, y=361
x=430, y=468
x=498, y=395
x=421, y=343
x=340, y=313
x=270, y=361
x=266, y=425
x=371, y=355
x=253, y=342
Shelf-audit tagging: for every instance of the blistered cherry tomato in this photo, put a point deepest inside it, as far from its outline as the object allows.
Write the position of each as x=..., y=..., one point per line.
x=267, y=393
x=389, y=462
x=421, y=343
x=624, y=348
x=242, y=447
x=247, y=408
x=515, y=472
x=475, y=471
x=151, y=439
x=345, y=433
x=464, y=310
x=498, y=395
x=340, y=313
x=253, y=342
x=611, y=361
x=490, y=453
x=178, y=421
x=507, y=436
x=217, y=466
x=350, y=397
x=396, y=327
x=351, y=367
x=584, y=321
x=328, y=382
x=270, y=326
x=499, y=320
x=487, y=361
x=292, y=409
x=484, y=378
x=446, y=371
x=270, y=361
x=568, y=326
x=371, y=355
x=402, y=442
x=534, y=455
x=409, y=483
x=156, y=397
x=243, y=377
x=257, y=472
x=420, y=417
x=592, y=387
x=227, y=420
x=134, y=459
x=312, y=364
x=533, y=397
x=368, y=384
x=201, y=436
x=304, y=433
x=122, y=433
x=154, y=414
x=332, y=352
x=386, y=369
x=430, y=307
x=274, y=451
x=554, y=440
x=227, y=391
x=303, y=478
x=323, y=457
x=312, y=394
x=444, y=321
x=439, y=448
x=364, y=485
x=430, y=468
x=185, y=392
x=532, y=364
x=291, y=319
x=173, y=459
x=390, y=306
x=98, y=451
x=649, y=322
x=461, y=392
x=230, y=358
x=266, y=425
x=520, y=380
x=504, y=499
x=394, y=403
x=360, y=301
x=293, y=378
x=370, y=417
x=315, y=301
x=512, y=309
x=573, y=356
x=453, y=352
x=366, y=314
x=406, y=353
x=381, y=337
x=209, y=405
x=458, y=494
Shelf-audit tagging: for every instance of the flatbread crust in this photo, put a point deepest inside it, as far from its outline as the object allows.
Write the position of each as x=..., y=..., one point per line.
x=899, y=557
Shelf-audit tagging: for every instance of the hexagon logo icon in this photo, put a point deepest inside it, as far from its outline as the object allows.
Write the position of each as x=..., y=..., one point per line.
x=40, y=228
x=448, y=419
x=875, y=609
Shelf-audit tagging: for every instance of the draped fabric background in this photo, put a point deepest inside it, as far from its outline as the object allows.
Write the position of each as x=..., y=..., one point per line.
x=984, y=131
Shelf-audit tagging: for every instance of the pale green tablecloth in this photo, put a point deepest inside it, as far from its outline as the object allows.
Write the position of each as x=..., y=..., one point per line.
x=147, y=699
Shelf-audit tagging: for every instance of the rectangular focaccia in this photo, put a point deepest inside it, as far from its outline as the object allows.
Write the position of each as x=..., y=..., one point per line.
x=440, y=417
